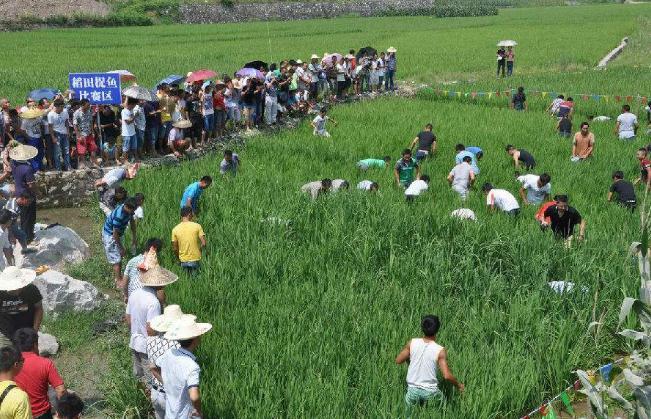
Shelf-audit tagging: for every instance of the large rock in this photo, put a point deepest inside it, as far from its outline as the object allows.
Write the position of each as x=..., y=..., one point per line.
x=63, y=293
x=47, y=344
x=56, y=246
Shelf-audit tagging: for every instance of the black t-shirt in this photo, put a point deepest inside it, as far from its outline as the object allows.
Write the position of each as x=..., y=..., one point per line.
x=526, y=158
x=624, y=190
x=104, y=119
x=425, y=140
x=563, y=226
x=17, y=311
x=194, y=110
x=565, y=125
x=248, y=95
x=151, y=120
x=518, y=100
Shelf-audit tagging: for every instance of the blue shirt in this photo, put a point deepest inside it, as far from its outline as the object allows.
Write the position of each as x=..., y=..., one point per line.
x=193, y=191
x=180, y=373
x=119, y=219
x=459, y=158
x=474, y=150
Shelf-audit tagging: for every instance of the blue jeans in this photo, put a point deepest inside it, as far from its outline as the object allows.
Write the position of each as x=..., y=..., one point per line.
x=61, y=151
x=140, y=137
x=509, y=68
x=191, y=267
x=388, y=79
x=36, y=162
x=18, y=234
x=129, y=143
x=209, y=123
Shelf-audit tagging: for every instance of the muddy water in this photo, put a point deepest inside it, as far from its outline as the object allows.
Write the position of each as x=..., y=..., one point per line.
x=78, y=219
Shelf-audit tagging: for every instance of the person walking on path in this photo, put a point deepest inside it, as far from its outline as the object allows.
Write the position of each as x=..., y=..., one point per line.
x=136, y=267
x=425, y=357
x=391, y=68
x=179, y=370
x=627, y=125
x=25, y=183
x=510, y=61
x=426, y=141
x=502, y=199
x=406, y=169
x=535, y=189
x=188, y=241
x=193, y=192
x=37, y=375
x=20, y=303
x=461, y=177
x=623, y=190
x=521, y=157
x=583, y=144
x=114, y=225
x=143, y=305
x=15, y=402
x=157, y=345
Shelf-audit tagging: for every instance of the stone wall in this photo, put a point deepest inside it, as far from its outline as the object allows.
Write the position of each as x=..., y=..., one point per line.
x=241, y=12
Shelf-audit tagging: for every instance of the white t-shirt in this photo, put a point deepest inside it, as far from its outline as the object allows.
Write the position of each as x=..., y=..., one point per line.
x=128, y=129
x=423, y=357
x=58, y=121
x=341, y=72
x=337, y=184
x=174, y=135
x=143, y=305
x=140, y=120
x=416, y=188
x=320, y=123
x=114, y=177
x=461, y=176
x=464, y=214
x=139, y=213
x=535, y=195
x=32, y=127
x=627, y=122
x=502, y=199
x=364, y=185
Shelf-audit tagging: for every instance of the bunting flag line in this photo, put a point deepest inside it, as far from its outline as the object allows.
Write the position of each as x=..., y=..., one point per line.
x=547, y=412
x=642, y=99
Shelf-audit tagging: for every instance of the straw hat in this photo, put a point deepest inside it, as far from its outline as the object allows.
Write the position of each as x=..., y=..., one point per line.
x=155, y=276
x=171, y=314
x=33, y=113
x=186, y=328
x=236, y=84
x=13, y=278
x=182, y=123
x=299, y=61
x=23, y=152
x=314, y=57
x=392, y=49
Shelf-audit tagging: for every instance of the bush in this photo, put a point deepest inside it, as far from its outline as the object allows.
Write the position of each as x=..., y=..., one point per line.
x=465, y=8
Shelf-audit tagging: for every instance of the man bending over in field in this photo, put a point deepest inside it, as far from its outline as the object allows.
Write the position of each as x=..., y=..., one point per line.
x=366, y=164
x=645, y=168
x=425, y=357
x=521, y=157
x=193, y=192
x=562, y=219
x=317, y=188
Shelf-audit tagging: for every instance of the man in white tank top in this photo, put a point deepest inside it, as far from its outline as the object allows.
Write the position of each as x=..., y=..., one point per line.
x=425, y=357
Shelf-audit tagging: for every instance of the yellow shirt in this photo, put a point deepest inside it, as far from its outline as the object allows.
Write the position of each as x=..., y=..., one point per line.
x=187, y=234
x=16, y=404
x=164, y=103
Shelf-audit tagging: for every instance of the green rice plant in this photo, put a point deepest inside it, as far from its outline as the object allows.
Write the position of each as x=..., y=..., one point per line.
x=309, y=317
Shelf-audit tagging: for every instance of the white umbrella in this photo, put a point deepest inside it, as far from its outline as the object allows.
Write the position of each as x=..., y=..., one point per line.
x=507, y=43
x=137, y=92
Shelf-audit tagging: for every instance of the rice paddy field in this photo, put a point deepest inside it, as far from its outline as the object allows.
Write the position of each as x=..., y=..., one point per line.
x=309, y=317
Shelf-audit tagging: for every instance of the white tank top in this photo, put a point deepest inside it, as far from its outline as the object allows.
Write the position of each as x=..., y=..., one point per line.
x=423, y=362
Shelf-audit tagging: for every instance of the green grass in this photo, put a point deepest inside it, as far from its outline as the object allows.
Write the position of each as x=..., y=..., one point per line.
x=430, y=50
x=308, y=319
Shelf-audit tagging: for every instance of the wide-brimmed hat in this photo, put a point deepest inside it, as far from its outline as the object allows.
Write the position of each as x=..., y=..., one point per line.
x=186, y=328
x=23, y=152
x=314, y=57
x=392, y=49
x=299, y=61
x=13, y=278
x=171, y=314
x=182, y=123
x=155, y=276
x=33, y=113
x=236, y=84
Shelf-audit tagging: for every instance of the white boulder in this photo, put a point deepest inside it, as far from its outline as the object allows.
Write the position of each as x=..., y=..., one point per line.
x=56, y=247
x=63, y=293
x=47, y=344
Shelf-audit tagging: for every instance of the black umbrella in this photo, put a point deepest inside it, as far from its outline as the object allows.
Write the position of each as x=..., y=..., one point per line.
x=256, y=64
x=366, y=52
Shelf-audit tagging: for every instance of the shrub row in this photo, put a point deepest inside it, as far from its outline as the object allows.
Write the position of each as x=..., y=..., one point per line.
x=452, y=8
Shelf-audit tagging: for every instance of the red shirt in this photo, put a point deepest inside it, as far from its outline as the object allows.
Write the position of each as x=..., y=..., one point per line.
x=35, y=376
x=540, y=214
x=218, y=102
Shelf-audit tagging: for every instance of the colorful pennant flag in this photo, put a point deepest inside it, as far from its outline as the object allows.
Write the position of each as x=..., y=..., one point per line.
x=565, y=398
x=550, y=413
x=458, y=94
x=618, y=98
x=629, y=98
x=473, y=94
x=584, y=97
x=577, y=385
x=596, y=97
x=643, y=100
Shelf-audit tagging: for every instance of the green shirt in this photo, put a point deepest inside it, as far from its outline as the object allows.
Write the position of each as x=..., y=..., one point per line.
x=294, y=83
x=406, y=171
x=380, y=164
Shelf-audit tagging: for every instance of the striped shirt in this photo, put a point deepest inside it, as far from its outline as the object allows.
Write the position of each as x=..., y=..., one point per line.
x=119, y=219
x=133, y=273
x=156, y=347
